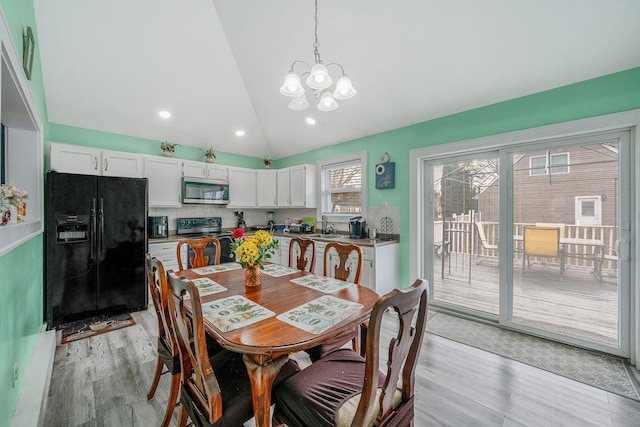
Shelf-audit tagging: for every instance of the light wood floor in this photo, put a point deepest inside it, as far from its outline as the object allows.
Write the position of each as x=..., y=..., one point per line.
x=103, y=381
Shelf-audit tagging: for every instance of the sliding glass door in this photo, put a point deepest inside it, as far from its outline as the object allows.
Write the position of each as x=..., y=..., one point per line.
x=533, y=236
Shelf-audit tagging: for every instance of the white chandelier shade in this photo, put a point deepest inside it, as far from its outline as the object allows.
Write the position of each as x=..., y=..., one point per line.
x=318, y=80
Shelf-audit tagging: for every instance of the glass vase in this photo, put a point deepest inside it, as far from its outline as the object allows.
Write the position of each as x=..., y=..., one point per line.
x=252, y=276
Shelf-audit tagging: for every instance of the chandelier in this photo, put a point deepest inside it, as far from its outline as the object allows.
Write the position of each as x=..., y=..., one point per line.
x=318, y=80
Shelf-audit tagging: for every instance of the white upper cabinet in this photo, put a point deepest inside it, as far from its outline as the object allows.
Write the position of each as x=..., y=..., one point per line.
x=165, y=181
x=194, y=169
x=217, y=172
x=76, y=159
x=118, y=163
x=297, y=187
x=242, y=188
x=67, y=158
x=283, y=192
x=266, y=188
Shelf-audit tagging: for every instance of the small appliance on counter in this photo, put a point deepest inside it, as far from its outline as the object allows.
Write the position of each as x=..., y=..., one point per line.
x=241, y=222
x=158, y=227
x=357, y=227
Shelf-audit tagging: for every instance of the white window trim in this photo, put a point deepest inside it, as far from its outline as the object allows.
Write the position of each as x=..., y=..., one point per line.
x=568, y=165
x=548, y=167
x=610, y=122
x=357, y=156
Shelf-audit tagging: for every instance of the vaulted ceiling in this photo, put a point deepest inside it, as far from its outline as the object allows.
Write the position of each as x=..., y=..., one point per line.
x=217, y=65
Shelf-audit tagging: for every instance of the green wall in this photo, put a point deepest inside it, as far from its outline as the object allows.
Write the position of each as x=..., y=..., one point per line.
x=604, y=95
x=112, y=141
x=21, y=308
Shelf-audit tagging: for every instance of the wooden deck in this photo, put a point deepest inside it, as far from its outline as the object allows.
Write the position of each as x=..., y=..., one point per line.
x=576, y=304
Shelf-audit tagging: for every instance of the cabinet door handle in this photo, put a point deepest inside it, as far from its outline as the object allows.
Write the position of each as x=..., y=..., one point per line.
x=95, y=163
x=106, y=164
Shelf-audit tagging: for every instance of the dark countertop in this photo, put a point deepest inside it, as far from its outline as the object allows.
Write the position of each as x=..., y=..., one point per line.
x=173, y=237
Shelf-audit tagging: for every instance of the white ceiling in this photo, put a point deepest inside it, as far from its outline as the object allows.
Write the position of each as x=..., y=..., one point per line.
x=217, y=65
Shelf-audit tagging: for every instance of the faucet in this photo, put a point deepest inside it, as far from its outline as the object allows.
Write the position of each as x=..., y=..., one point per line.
x=331, y=229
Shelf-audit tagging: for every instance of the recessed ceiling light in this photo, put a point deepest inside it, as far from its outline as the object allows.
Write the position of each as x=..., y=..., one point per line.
x=164, y=114
x=239, y=133
x=310, y=121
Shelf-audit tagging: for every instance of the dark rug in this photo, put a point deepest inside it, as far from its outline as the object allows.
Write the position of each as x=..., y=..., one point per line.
x=604, y=371
x=93, y=326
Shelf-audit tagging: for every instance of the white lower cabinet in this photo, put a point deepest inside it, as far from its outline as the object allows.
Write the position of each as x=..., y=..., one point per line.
x=166, y=254
x=282, y=254
x=380, y=265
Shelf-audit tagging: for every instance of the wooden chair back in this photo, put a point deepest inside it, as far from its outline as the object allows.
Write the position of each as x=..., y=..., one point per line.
x=167, y=349
x=341, y=270
x=198, y=245
x=160, y=294
x=409, y=307
x=302, y=254
x=198, y=379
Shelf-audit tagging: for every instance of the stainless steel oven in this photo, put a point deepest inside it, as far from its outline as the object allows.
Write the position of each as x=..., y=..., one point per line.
x=207, y=227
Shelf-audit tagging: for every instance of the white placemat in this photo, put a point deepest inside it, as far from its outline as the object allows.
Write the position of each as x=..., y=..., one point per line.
x=321, y=283
x=234, y=312
x=320, y=314
x=277, y=270
x=227, y=266
x=207, y=286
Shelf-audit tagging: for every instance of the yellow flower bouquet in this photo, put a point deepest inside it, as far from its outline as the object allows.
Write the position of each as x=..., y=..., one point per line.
x=253, y=250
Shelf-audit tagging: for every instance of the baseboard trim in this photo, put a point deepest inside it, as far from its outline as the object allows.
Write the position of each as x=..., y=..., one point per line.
x=33, y=396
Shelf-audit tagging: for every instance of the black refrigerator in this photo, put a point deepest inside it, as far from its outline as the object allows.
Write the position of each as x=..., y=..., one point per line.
x=96, y=240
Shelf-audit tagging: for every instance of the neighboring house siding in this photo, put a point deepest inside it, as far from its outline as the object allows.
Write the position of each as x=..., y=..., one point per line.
x=552, y=197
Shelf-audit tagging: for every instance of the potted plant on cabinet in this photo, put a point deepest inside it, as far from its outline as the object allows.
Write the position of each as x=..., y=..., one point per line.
x=267, y=161
x=168, y=149
x=209, y=155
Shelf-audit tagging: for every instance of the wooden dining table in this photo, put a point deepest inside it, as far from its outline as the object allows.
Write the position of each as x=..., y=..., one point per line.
x=267, y=344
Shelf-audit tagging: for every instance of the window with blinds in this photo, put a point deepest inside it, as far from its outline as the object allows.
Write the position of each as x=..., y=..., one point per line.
x=341, y=188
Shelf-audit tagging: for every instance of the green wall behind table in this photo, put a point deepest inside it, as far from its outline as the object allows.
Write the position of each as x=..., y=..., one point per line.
x=604, y=95
x=22, y=305
x=117, y=142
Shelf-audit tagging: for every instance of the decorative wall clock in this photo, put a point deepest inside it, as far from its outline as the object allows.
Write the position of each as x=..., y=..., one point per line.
x=386, y=175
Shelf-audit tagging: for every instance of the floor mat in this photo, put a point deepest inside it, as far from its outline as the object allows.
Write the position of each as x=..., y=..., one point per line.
x=607, y=372
x=93, y=326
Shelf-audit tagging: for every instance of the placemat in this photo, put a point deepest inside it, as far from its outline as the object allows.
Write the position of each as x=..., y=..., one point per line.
x=277, y=270
x=321, y=283
x=320, y=314
x=234, y=312
x=207, y=286
x=227, y=266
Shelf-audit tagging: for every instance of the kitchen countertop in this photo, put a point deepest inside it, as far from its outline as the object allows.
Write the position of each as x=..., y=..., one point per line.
x=173, y=237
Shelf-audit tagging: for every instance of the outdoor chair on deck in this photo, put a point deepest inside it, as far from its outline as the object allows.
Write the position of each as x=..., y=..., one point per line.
x=346, y=389
x=215, y=391
x=340, y=270
x=486, y=244
x=306, y=254
x=541, y=241
x=200, y=259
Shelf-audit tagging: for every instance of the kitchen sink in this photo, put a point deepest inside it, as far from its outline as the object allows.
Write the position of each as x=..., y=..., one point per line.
x=326, y=236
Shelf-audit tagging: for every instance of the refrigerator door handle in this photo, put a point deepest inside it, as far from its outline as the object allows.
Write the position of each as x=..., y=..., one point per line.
x=92, y=233
x=100, y=227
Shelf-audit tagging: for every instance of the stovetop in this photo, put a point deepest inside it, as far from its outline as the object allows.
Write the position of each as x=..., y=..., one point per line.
x=199, y=226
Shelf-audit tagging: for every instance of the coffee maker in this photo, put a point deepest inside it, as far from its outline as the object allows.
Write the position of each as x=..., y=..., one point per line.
x=158, y=227
x=357, y=227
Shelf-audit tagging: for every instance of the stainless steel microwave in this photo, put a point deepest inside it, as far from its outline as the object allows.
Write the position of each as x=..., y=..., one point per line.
x=205, y=191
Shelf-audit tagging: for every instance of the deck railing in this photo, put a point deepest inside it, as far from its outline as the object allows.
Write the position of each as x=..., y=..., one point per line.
x=462, y=237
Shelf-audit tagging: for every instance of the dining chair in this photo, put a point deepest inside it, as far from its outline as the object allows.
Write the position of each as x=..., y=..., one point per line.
x=167, y=346
x=336, y=265
x=341, y=269
x=299, y=257
x=346, y=389
x=198, y=245
x=215, y=390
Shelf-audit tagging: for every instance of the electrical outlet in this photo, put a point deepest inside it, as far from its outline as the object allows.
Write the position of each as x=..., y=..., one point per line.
x=15, y=374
